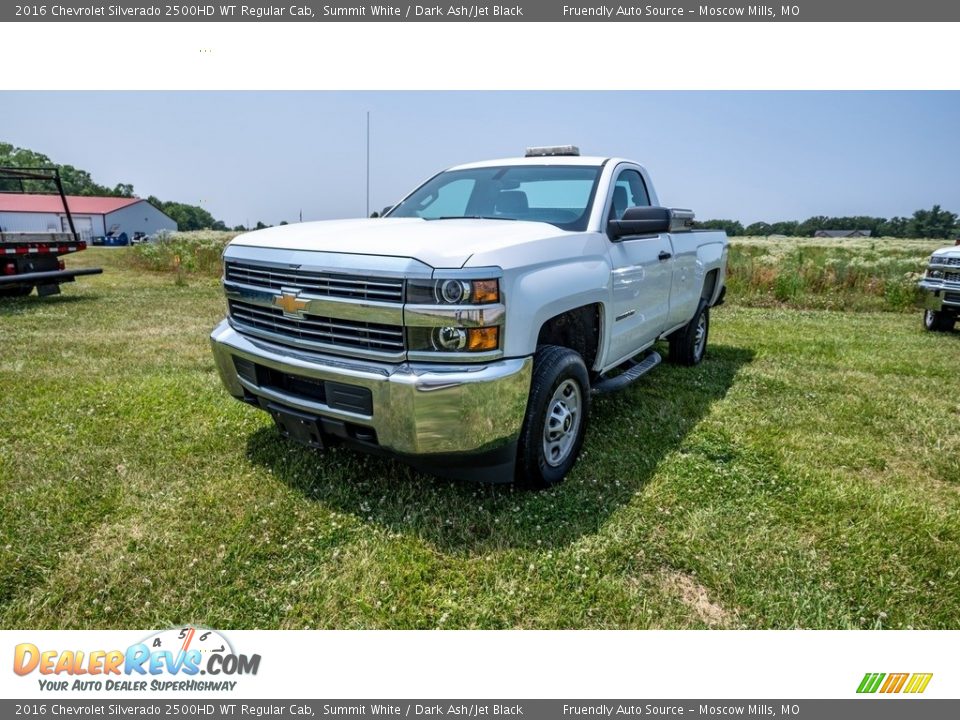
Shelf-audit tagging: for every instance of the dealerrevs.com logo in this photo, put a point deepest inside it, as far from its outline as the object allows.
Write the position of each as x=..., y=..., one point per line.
x=168, y=660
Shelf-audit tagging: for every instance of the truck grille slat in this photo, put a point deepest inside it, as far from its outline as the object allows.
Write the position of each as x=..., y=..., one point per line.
x=317, y=329
x=323, y=323
x=302, y=275
x=318, y=283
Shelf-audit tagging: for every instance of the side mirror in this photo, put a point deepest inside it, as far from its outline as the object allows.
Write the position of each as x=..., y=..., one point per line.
x=385, y=210
x=640, y=221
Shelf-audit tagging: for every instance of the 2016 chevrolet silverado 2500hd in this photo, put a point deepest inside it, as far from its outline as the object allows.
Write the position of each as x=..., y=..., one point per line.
x=466, y=329
x=941, y=288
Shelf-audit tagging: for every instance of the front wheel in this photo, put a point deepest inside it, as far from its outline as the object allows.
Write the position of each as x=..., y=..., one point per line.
x=556, y=419
x=938, y=321
x=688, y=345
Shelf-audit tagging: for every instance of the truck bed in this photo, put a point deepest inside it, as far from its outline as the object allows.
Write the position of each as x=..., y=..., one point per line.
x=45, y=238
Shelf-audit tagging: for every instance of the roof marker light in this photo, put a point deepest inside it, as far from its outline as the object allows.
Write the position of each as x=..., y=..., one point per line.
x=551, y=150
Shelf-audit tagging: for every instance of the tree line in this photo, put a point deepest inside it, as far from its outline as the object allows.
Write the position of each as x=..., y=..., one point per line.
x=933, y=223
x=79, y=182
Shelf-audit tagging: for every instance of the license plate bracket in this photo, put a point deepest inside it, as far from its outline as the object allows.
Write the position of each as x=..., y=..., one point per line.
x=302, y=427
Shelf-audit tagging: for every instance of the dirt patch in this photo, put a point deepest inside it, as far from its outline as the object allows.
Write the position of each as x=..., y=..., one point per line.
x=694, y=595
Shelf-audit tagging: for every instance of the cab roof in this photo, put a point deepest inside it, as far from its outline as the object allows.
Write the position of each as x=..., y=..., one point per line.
x=589, y=161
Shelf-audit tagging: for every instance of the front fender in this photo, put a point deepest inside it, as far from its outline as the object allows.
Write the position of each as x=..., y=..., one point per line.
x=538, y=294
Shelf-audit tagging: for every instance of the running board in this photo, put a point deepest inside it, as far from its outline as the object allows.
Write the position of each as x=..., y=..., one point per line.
x=627, y=377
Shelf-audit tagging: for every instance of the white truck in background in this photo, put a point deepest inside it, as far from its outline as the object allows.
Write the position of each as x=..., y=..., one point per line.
x=466, y=330
x=941, y=289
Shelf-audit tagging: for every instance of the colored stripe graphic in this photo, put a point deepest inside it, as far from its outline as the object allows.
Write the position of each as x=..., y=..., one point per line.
x=870, y=683
x=918, y=682
x=894, y=683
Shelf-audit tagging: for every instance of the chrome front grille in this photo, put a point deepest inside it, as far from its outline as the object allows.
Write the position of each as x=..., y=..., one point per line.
x=947, y=261
x=334, y=285
x=952, y=276
x=323, y=333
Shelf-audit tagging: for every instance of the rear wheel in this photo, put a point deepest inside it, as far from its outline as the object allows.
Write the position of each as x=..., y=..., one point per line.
x=556, y=419
x=938, y=321
x=688, y=345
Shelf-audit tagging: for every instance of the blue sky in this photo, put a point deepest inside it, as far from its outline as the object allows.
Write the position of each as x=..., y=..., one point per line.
x=249, y=156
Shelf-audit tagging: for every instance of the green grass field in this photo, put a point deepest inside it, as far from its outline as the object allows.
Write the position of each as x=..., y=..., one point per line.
x=806, y=475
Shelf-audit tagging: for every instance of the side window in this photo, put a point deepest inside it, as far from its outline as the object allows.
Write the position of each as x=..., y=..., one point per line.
x=450, y=201
x=628, y=191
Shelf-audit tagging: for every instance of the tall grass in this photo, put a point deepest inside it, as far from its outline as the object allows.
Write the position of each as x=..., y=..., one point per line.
x=810, y=273
x=823, y=273
x=182, y=253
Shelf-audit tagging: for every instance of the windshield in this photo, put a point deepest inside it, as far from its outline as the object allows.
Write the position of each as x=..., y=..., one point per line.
x=557, y=194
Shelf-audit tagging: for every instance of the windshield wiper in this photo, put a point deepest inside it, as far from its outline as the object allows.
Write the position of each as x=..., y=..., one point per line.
x=470, y=217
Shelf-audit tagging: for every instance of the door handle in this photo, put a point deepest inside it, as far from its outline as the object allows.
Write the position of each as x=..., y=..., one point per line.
x=664, y=255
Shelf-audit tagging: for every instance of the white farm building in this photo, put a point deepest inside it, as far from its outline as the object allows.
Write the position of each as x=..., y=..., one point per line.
x=92, y=216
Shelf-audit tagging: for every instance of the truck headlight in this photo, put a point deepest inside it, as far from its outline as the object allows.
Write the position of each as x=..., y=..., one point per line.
x=453, y=291
x=454, y=339
x=936, y=274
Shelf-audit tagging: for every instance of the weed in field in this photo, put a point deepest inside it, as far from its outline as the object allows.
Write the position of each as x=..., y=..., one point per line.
x=182, y=253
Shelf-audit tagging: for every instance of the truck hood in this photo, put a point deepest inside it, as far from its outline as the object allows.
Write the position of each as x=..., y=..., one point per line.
x=950, y=251
x=438, y=243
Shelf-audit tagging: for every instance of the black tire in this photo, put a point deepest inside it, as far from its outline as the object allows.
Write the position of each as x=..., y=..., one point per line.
x=18, y=291
x=560, y=389
x=686, y=345
x=938, y=321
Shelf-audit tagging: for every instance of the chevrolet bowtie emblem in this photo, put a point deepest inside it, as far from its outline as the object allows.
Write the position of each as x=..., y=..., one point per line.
x=290, y=303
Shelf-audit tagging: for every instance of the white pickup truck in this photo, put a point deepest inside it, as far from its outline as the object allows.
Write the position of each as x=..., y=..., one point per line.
x=466, y=329
x=941, y=289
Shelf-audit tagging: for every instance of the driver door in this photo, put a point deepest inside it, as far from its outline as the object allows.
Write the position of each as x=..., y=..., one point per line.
x=641, y=274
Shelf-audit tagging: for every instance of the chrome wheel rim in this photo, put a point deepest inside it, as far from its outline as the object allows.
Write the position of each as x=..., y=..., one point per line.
x=928, y=318
x=562, y=423
x=700, y=336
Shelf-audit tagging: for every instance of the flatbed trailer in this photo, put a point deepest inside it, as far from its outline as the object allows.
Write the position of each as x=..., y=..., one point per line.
x=30, y=259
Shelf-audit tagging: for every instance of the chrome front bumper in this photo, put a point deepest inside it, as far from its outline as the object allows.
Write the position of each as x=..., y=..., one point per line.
x=418, y=409
x=938, y=295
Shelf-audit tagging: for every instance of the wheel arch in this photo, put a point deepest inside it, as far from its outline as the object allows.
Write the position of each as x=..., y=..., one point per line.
x=709, y=289
x=579, y=329
x=712, y=258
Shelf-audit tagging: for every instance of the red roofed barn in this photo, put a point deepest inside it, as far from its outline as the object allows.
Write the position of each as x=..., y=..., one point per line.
x=92, y=216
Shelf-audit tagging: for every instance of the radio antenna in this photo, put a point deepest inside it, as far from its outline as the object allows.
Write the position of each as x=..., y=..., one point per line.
x=368, y=164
